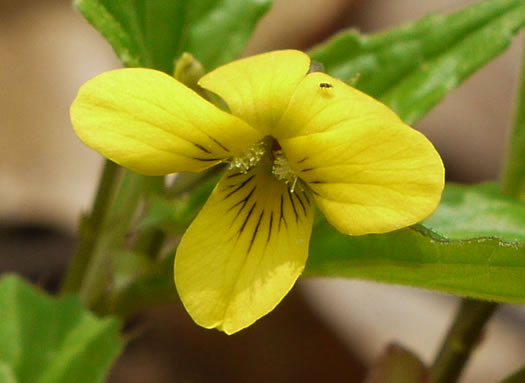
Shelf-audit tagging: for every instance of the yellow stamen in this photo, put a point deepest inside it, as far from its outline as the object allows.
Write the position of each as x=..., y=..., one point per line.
x=249, y=158
x=282, y=171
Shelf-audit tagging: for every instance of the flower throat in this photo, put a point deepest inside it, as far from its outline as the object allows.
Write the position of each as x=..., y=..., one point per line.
x=280, y=168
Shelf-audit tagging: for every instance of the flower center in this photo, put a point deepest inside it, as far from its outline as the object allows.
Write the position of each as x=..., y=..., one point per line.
x=282, y=171
x=276, y=161
x=281, y=168
x=249, y=158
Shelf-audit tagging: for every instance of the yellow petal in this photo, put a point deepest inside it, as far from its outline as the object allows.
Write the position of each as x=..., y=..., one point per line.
x=322, y=103
x=150, y=123
x=369, y=172
x=258, y=88
x=244, y=251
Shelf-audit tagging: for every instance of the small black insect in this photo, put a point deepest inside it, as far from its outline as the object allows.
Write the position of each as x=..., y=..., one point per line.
x=325, y=85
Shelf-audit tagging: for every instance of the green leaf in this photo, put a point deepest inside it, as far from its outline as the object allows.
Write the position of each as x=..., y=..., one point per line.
x=484, y=268
x=153, y=33
x=6, y=374
x=513, y=179
x=50, y=340
x=411, y=68
x=478, y=211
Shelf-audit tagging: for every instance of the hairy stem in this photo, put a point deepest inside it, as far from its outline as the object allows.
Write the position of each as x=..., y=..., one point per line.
x=461, y=339
x=112, y=238
x=91, y=226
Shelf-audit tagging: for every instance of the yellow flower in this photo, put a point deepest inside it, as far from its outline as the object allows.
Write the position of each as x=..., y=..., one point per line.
x=293, y=139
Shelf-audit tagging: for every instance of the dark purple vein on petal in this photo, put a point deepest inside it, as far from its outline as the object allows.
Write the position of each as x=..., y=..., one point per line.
x=218, y=143
x=246, y=220
x=235, y=175
x=306, y=170
x=256, y=230
x=244, y=202
x=281, y=216
x=301, y=161
x=205, y=159
x=293, y=206
x=241, y=185
x=269, y=229
x=201, y=148
x=301, y=202
x=308, y=202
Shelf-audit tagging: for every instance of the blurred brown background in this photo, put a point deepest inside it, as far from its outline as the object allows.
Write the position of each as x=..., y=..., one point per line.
x=325, y=330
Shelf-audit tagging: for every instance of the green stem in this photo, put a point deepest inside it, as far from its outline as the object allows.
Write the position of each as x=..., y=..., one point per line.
x=186, y=182
x=150, y=243
x=151, y=240
x=116, y=225
x=91, y=227
x=156, y=285
x=516, y=377
x=462, y=337
x=513, y=178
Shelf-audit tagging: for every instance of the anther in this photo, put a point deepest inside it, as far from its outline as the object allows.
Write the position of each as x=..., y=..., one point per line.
x=282, y=171
x=248, y=159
